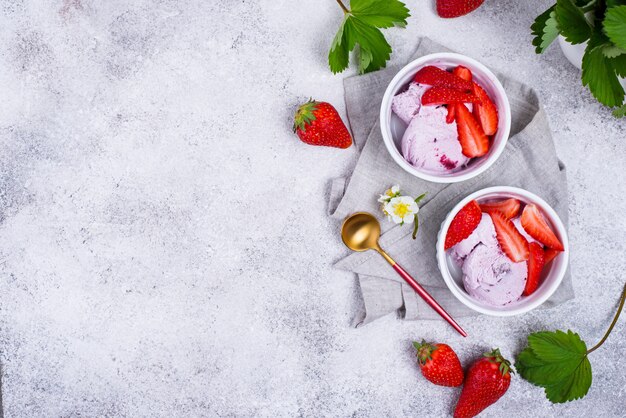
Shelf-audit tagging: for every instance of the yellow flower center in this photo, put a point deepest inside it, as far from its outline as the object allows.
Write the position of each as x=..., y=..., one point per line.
x=401, y=209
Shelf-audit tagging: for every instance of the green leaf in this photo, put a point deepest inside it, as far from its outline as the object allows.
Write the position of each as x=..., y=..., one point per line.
x=611, y=51
x=620, y=112
x=556, y=361
x=575, y=386
x=338, y=56
x=619, y=65
x=539, y=373
x=572, y=22
x=613, y=3
x=615, y=25
x=420, y=197
x=361, y=27
x=544, y=30
x=380, y=13
x=599, y=74
x=556, y=346
x=371, y=42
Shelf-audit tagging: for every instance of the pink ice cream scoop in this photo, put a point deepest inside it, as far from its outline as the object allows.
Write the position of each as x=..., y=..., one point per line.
x=429, y=142
x=491, y=277
x=432, y=144
x=485, y=233
x=408, y=103
x=488, y=274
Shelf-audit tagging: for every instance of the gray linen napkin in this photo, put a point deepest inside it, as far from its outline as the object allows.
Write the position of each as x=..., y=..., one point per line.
x=529, y=162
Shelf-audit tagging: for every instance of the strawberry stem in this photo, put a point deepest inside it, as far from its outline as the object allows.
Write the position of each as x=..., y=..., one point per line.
x=416, y=226
x=344, y=8
x=619, y=311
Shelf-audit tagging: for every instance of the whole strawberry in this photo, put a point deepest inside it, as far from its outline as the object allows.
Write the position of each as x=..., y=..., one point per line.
x=486, y=381
x=318, y=123
x=456, y=8
x=439, y=364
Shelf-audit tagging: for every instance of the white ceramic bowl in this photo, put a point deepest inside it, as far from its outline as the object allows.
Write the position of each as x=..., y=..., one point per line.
x=393, y=127
x=550, y=278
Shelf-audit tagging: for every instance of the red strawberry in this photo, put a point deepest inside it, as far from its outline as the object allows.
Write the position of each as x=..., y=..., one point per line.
x=437, y=95
x=535, y=263
x=512, y=242
x=435, y=76
x=485, y=111
x=509, y=207
x=439, y=364
x=474, y=142
x=456, y=8
x=451, y=114
x=486, y=381
x=463, y=72
x=537, y=227
x=318, y=123
x=463, y=224
x=550, y=254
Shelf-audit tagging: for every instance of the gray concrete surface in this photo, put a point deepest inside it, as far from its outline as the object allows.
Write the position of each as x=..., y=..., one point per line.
x=164, y=245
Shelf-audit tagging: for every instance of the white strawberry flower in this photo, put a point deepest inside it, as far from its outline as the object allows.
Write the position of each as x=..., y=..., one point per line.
x=401, y=209
x=389, y=194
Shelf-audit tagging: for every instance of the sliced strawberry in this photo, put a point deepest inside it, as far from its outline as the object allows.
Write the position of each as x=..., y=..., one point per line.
x=485, y=111
x=537, y=227
x=463, y=224
x=462, y=72
x=436, y=96
x=435, y=76
x=509, y=207
x=535, y=264
x=550, y=254
x=451, y=113
x=474, y=142
x=512, y=242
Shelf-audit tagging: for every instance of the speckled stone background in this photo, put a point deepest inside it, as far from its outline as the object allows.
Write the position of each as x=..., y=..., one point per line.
x=164, y=244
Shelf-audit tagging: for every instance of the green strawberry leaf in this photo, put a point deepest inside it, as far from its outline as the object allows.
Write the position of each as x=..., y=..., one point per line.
x=573, y=387
x=612, y=51
x=620, y=112
x=619, y=65
x=615, y=25
x=539, y=373
x=361, y=27
x=545, y=30
x=339, y=54
x=613, y=3
x=381, y=14
x=572, y=22
x=599, y=73
x=556, y=361
x=371, y=42
x=556, y=346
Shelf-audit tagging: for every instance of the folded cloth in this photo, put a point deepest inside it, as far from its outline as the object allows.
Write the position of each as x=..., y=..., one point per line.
x=529, y=161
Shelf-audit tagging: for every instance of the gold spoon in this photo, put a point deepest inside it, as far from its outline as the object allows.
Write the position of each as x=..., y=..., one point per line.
x=360, y=232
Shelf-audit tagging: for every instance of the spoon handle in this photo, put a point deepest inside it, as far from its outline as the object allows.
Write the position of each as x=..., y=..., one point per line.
x=429, y=299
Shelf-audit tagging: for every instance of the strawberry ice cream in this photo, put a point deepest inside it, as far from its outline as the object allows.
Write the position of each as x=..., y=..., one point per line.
x=429, y=142
x=488, y=274
x=408, y=103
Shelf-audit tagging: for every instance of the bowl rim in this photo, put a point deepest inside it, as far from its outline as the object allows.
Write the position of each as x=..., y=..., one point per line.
x=462, y=295
x=385, y=112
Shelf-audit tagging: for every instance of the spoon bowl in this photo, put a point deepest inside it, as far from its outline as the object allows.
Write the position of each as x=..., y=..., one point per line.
x=360, y=232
